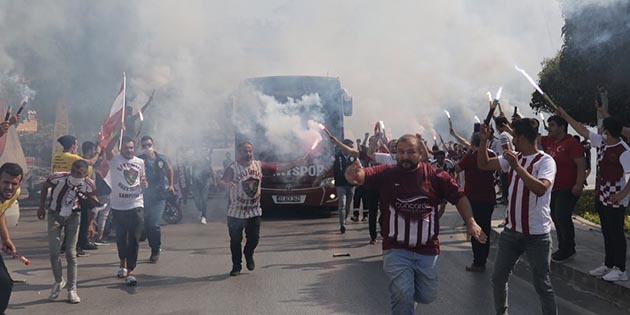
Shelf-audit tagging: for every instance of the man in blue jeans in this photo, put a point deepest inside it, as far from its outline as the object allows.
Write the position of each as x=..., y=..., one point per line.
x=528, y=218
x=160, y=179
x=345, y=191
x=410, y=193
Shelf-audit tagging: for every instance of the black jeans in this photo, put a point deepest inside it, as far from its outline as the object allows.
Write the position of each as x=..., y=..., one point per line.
x=371, y=199
x=6, y=286
x=482, y=212
x=129, y=224
x=252, y=232
x=562, y=206
x=82, y=241
x=614, y=238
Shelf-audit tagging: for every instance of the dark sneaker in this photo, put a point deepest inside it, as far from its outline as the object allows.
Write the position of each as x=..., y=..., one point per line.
x=235, y=271
x=154, y=258
x=342, y=229
x=364, y=219
x=354, y=218
x=131, y=281
x=81, y=253
x=561, y=257
x=90, y=246
x=372, y=242
x=475, y=268
x=251, y=264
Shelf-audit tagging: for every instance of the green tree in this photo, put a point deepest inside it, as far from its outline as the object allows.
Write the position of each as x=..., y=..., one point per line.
x=596, y=51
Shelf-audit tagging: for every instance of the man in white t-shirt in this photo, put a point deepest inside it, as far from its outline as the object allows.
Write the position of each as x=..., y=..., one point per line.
x=128, y=180
x=528, y=215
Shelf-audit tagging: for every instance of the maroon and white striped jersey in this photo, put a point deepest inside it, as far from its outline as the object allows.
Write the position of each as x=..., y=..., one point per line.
x=64, y=196
x=244, y=196
x=408, y=202
x=613, y=162
x=527, y=213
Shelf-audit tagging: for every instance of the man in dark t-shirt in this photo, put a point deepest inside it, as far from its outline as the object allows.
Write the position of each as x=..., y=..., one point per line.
x=410, y=192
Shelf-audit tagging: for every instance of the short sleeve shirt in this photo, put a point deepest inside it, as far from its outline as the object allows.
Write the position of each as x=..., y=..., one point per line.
x=125, y=175
x=527, y=213
x=408, y=202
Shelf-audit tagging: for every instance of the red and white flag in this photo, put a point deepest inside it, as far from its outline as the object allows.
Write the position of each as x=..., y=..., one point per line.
x=116, y=117
x=114, y=121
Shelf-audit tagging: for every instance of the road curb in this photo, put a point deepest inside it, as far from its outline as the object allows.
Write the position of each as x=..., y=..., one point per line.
x=611, y=292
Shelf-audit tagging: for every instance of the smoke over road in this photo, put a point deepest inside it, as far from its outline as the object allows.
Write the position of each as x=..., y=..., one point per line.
x=404, y=62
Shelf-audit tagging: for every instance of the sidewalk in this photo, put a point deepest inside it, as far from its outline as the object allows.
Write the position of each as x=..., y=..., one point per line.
x=590, y=254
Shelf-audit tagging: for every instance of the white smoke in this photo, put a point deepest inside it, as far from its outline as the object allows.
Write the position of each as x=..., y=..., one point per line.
x=404, y=61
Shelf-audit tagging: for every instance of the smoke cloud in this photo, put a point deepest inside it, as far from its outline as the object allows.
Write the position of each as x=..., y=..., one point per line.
x=404, y=62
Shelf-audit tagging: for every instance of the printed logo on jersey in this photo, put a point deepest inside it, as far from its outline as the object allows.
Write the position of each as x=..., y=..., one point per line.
x=250, y=187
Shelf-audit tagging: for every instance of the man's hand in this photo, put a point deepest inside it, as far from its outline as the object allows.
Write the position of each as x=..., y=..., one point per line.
x=4, y=127
x=91, y=231
x=475, y=231
x=511, y=158
x=451, y=131
x=355, y=173
x=8, y=247
x=577, y=189
x=41, y=213
x=143, y=182
x=171, y=189
x=484, y=132
x=14, y=119
x=618, y=197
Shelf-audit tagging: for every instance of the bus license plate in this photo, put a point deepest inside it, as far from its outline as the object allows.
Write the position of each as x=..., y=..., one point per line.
x=290, y=199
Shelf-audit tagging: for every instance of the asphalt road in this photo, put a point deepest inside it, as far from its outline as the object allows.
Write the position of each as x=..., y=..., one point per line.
x=296, y=274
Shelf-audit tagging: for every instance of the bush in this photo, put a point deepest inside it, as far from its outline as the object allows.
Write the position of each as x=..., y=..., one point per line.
x=585, y=207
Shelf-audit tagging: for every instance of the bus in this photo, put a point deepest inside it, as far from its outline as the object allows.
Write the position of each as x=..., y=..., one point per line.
x=274, y=113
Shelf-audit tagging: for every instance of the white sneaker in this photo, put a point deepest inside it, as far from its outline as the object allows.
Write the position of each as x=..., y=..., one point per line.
x=203, y=220
x=122, y=272
x=131, y=281
x=73, y=298
x=616, y=275
x=56, y=289
x=599, y=271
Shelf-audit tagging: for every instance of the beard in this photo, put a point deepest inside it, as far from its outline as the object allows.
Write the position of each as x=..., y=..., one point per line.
x=407, y=165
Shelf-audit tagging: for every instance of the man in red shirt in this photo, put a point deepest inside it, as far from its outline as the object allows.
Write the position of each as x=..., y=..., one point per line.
x=409, y=194
x=571, y=171
x=479, y=189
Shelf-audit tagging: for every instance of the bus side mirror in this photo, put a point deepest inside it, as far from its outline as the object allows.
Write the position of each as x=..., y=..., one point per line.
x=346, y=102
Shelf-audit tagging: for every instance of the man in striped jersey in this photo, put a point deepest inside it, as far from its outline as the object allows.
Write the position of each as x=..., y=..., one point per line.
x=613, y=163
x=531, y=174
x=409, y=194
x=243, y=179
x=64, y=213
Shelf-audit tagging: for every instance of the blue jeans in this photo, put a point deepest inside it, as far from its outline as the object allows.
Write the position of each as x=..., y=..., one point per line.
x=537, y=249
x=345, y=195
x=412, y=278
x=152, y=218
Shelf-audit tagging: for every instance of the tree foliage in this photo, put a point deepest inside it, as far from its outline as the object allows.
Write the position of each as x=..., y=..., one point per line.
x=596, y=51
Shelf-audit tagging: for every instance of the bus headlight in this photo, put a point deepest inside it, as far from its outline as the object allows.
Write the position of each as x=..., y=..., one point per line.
x=327, y=182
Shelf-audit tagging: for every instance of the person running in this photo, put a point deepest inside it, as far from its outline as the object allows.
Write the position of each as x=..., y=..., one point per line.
x=128, y=179
x=480, y=191
x=243, y=179
x=345, y=191
x=64, y=213
x=613, y=162
x=159, y=175
x=528, y=218
x=567, y=188
x=448, y=166
x=202, y=177
x=11, y=176
x=409, y=194
x=62, y=162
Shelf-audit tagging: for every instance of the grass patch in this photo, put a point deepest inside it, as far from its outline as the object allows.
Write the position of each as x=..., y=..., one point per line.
x=585, y=208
